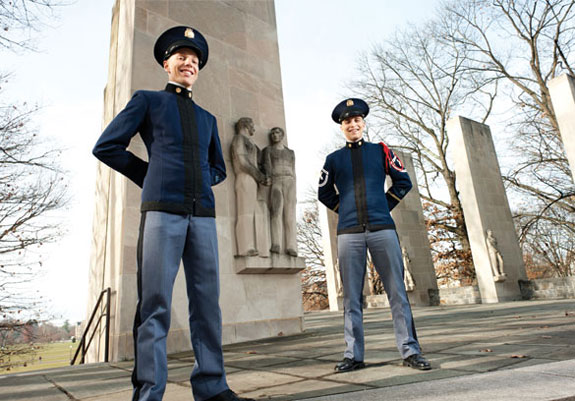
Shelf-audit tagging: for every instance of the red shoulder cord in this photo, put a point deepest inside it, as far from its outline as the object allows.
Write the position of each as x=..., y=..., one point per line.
x=387, y=157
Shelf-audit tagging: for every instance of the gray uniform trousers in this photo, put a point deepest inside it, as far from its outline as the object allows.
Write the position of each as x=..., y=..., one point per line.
x=385, y=251
x=165, y=240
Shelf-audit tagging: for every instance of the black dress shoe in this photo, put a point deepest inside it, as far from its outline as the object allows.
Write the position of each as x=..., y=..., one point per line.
x=228, y=395
x=417, y=361
x=348, y=365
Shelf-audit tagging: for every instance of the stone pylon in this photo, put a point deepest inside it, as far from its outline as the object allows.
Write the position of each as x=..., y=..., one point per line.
x=328, y=225
x=562, y=91
x=412, y=232
x=486, y=207
x=242, y=78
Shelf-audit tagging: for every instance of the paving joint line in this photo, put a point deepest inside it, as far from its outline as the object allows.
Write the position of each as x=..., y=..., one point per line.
x=62, y=389
x=319, y=378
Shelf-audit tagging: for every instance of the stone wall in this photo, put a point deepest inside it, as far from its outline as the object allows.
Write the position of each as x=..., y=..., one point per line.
x=548, y=288
x=458, y=295
x=443, y=296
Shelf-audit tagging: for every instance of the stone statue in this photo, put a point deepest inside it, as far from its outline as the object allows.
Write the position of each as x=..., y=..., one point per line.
x=408, y=274
x=338, y=282
x=248, y=175
x=495, y=258
x=279, y=165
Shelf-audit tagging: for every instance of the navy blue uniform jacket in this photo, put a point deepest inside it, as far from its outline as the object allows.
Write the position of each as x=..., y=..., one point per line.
x=352, y=183
x=184, y=151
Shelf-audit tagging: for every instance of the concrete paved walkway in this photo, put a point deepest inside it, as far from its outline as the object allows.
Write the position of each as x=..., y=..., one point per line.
x=511, y=351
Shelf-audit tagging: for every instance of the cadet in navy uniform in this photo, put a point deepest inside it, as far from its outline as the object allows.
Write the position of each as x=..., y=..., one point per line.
x=352, y=184
x=178, y=216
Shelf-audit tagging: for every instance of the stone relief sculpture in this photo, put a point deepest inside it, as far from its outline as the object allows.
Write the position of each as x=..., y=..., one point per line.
x=245, y=156
x=279, y=165
x=265, y=193
x=408, y=274
x=495, y=258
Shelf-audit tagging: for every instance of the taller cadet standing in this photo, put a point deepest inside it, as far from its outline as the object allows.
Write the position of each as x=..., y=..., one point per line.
x=352, y=184
x=178, y=216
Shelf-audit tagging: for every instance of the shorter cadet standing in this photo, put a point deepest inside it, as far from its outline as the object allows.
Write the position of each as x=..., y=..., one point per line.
x=352, y=184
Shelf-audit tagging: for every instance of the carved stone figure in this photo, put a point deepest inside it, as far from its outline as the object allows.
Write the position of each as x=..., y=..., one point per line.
x=338, y=282
x=495, y=258
x=248, y=175
x=279, y=165
x=408, y=274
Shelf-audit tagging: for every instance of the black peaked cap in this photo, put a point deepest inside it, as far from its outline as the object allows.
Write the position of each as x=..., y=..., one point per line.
x=349, y=108
x=177, y=37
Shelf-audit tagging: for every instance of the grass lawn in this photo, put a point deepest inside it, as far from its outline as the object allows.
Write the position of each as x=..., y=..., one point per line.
x=50, y=355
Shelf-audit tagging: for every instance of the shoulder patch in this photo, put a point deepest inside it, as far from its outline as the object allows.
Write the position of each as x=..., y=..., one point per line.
x=323, y=177
x=396, y=163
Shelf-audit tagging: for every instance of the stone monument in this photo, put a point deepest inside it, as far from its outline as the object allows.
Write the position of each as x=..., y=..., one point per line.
x=271, y=207
x=412, y=232
x=562, y=90
x=408, y=279
x=246, y=159
x=328, y=224
x=486, y=207
x=279, y=166
x=495, y=258
x=242, y=79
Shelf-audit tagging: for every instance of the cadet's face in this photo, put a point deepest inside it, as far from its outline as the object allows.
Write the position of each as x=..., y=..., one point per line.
x=183, y=67
x=352, y=128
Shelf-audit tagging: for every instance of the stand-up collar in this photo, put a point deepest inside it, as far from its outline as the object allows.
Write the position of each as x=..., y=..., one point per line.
x=354, y=145
x=178, y=90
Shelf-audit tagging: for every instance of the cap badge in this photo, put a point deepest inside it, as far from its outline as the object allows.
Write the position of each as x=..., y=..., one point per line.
x=189, y=33
x=349, y=103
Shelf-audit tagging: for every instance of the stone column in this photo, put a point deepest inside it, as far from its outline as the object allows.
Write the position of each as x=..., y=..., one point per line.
x=412, y=232
x=562, y=90
x=328, y=225
x=486, y=208
x=242, y=78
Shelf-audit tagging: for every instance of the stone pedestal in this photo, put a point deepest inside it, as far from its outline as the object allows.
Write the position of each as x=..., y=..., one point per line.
x=486, y=207
x=275, y=264
x=412, y=232
x=562, y=90
x=241, y=78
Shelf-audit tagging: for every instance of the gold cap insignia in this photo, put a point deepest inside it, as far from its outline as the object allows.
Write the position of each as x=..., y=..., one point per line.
x=349, y=103
x=189, y=33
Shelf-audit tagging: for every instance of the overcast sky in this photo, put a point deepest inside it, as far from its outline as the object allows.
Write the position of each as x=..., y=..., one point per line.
x=319, y=42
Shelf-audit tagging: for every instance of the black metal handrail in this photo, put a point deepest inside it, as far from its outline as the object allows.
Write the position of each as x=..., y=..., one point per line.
x=83, y=346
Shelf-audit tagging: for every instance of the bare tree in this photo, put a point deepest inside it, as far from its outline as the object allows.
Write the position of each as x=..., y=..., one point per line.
x=20, y=20
x=549, y=246
x=31, y=187
x=415, y=83
x=310, y=247
x=31, y=184
x=524, y=44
